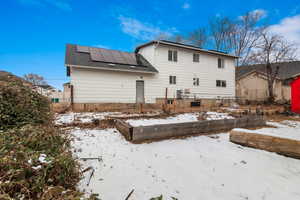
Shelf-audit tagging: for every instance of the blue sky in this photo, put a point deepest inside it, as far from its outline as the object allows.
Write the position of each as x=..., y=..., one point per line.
x=34, y=32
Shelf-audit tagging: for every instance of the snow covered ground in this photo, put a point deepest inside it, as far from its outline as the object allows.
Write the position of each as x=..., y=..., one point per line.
x=181, y=118
x=194, y=168
x=87, y=117
x=187, y=117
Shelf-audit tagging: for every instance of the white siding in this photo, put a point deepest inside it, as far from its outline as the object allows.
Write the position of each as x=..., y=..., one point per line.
x=185, y=70
x=98, y=86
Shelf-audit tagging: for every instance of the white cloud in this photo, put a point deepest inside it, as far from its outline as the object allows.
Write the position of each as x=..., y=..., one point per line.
x=143, y=31
x=259, y=12
x=60, y=4
x=289, y=28
x=186, y=6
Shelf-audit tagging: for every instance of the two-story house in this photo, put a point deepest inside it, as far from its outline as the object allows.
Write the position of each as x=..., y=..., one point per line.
x=156, y=70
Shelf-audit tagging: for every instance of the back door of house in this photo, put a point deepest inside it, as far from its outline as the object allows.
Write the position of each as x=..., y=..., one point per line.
x=140, y=97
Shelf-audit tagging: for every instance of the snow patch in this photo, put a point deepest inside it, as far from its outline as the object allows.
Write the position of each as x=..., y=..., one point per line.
x=192, y=168
x=217, y=116
x=188, y=117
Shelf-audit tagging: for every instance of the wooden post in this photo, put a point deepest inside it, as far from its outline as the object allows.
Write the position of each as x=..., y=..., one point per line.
x=141, y=108
x=166, y=101
x=72, y=96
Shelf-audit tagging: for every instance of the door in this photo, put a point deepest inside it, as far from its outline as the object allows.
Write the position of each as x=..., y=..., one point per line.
x=140, y=98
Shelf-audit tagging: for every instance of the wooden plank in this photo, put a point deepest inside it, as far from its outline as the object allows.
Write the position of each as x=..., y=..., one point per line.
x=124, y=128
x=163, y=131
x=283, y=146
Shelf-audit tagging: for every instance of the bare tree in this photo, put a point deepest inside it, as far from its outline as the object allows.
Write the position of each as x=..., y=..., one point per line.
x=162, y=36
x=178, y=38
x=272, y=49
x=244, y=35
x=220, y=30
x=198, y=37
x=35, y=79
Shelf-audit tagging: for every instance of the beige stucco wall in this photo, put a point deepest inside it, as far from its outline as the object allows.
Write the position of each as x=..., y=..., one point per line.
x=254, y=87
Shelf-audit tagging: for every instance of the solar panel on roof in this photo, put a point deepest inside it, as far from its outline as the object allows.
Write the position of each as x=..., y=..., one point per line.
x=82, y=49
x=130, y=58
x=107, y=55
x=112, y=56
x=96, y=54
x=118, y=58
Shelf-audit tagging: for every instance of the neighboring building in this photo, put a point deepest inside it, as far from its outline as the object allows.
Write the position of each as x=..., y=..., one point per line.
x=155, y=70
x=66, y=92
x=252, y=85
x=55, y=96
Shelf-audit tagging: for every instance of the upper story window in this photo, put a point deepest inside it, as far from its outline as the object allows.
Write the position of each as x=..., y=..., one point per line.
x=196, y=81
x=221, y=63
x=221, y=83
x=172, y=55
x=172, y=80
x=196, y=57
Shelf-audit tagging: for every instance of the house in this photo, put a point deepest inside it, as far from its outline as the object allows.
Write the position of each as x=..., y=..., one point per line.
x=155, y=71
x=251, y=81
x=54, y=95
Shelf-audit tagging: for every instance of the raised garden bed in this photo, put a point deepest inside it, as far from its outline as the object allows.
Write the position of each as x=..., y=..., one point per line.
x=205, y=127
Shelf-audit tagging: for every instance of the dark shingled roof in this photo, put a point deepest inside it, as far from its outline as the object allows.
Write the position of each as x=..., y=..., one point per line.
x=184, y=46
x=287, y=70
x=83, y=58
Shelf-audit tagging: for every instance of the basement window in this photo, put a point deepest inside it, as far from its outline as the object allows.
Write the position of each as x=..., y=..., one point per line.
x=170, y=101
x=195, y=104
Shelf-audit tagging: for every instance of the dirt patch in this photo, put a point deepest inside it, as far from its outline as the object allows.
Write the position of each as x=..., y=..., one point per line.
x=281, y=117
x=102, y=124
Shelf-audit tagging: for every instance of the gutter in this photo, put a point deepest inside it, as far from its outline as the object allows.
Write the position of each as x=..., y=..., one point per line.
x=109, y=69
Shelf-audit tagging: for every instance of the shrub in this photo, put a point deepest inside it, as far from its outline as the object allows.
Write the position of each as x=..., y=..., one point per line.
x=19, y=105
x=24, y=174
x=35, y=157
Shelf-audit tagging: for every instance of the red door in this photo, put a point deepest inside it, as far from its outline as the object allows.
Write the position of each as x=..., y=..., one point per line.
x=295, y=99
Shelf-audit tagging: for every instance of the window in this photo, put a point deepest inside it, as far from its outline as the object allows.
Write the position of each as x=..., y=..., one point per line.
x=221, y=83
x=170, y=101
x=172, y=55
x=195, y=103
x=172, y=80
x=196, y=57
x=220, y=63
x=196, y=81
x=68, y=71
x=55, y=100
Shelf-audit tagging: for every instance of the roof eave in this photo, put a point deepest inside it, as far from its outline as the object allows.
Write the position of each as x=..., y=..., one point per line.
x=184, y=46
x=110, y=69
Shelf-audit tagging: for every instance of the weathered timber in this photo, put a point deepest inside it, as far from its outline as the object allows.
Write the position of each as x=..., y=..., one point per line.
x=124, y=128
x=283, y=146
x=163, y=131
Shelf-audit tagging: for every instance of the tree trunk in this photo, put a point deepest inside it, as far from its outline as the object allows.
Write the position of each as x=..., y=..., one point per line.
x=270, y=80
